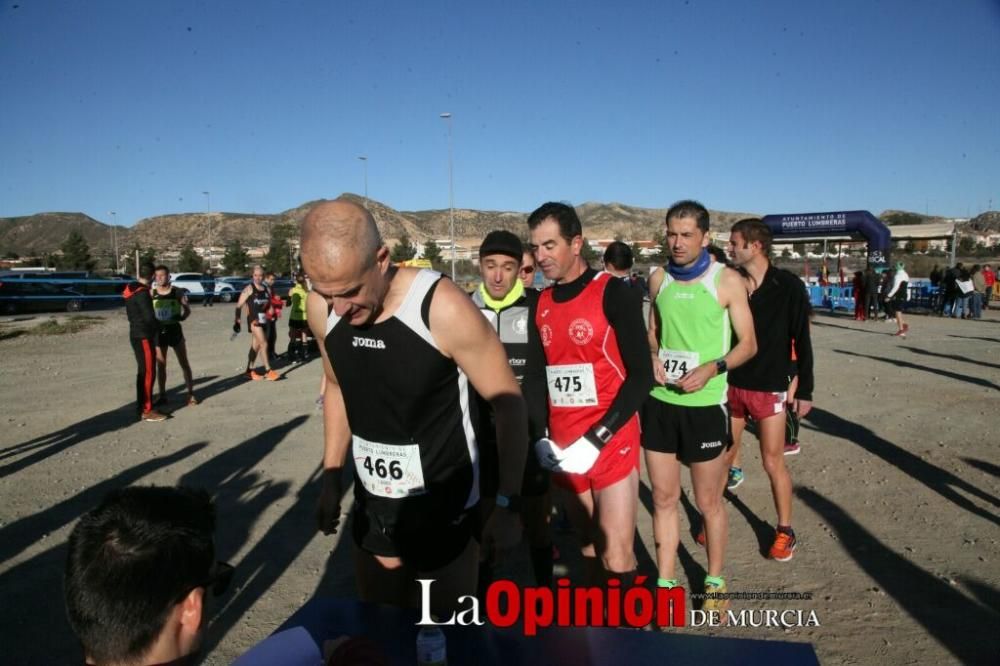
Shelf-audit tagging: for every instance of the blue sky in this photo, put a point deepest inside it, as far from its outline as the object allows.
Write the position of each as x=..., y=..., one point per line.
x=764, y=106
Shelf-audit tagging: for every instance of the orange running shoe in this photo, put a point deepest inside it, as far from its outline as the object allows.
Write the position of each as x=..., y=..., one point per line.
x=783, y=547
x=254, y=375
x=272, y=376
x=700, y=538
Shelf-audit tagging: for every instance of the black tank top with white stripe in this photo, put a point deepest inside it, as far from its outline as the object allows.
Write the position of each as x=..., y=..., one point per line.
x=401, y=394
x=258, y=302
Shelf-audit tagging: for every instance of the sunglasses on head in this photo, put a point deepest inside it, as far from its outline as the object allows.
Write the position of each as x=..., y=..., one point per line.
x=217, y=581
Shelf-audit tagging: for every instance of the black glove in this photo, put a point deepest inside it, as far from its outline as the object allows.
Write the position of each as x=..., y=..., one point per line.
x=237, y=327
x=328, y=505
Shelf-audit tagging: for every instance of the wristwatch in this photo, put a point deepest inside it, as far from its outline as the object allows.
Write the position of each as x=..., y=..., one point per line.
x=509, y=502
x=720, y=366
x=602, y=433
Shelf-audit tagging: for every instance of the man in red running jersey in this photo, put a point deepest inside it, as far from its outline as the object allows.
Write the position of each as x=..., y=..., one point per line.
x=598, y=376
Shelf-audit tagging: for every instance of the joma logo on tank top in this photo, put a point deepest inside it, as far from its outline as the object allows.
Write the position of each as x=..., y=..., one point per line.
x=368, y=342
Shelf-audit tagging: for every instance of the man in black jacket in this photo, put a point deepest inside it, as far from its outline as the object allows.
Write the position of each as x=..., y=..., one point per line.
x=142, y=334
x=757, y=389
x=510, y=308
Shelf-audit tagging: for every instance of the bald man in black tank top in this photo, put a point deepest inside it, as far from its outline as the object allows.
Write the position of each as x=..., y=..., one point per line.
x=401, y=349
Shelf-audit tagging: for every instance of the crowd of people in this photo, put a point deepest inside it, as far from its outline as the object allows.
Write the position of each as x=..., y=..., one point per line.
x=882, y=292
x=963, y=292
x=959, y=291
x=464, y=420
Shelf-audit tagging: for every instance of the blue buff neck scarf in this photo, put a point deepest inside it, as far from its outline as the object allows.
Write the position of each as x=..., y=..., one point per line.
x=684, y=273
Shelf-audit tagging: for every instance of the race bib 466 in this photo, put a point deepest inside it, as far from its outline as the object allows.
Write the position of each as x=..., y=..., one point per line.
x=389, y=470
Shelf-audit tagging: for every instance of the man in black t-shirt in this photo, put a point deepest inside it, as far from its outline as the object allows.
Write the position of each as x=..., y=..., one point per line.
x=757, y=389
x=510, y=309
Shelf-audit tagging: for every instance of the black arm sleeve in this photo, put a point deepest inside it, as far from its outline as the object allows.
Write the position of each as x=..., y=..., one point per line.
x=799, y=330
x=623, y=308
x=533, y=385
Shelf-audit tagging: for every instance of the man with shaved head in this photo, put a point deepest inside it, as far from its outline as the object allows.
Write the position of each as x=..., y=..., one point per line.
x=401, y=347
x=256, y=300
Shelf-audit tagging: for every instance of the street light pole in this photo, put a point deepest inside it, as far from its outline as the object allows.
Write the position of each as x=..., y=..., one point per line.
x=208, y=214
x=364, y=159
x=451, y=195
x=114, y=239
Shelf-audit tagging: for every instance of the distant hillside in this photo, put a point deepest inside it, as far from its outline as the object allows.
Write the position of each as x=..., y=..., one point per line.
x=175, y=231
x=894, y=217
x=35, y=235
x=45, y=232
x=986, y=221
x=600, y=220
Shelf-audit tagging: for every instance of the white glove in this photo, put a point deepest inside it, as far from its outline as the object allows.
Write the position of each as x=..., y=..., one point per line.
x=577, y=458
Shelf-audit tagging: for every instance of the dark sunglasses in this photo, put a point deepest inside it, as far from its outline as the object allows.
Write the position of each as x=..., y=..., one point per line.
x=527, y=270
x=217, y=581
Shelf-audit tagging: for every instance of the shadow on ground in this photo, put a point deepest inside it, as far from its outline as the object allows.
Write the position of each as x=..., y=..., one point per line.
x=965, y=627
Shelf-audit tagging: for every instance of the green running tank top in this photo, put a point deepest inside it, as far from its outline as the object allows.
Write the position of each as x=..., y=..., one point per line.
x=694, y=329
x=167, y=306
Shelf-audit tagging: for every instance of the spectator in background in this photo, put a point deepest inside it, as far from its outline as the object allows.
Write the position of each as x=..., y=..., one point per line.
x=870, y=287
x=618, y=262
x=637, y=279
x=859, y=296
x=963, y=285
x=935, y=278
x=884, y=285
x=209, y=299
x=137, y=573
x=989, y=279
x=297, y=324
x=896, y=297
x=528, y=269
x=976, y=295
x=949, y=288
x=274, y=313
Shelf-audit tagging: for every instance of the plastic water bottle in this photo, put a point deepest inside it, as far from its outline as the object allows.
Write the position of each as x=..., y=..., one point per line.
x=233, y=336
x=431, y=647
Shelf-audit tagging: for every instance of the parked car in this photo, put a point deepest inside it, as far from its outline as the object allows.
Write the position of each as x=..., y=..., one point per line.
x=226, y=292
x=196, y=284
x=21, y=295
x=227, y=289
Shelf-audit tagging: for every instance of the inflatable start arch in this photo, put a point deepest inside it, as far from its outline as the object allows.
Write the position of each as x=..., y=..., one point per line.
x=858, y=224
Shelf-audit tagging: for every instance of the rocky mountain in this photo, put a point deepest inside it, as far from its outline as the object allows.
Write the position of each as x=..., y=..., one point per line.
x=986, y=222
x=35, y=235
x=894, y=217
x=600, y=221
x=44, y=232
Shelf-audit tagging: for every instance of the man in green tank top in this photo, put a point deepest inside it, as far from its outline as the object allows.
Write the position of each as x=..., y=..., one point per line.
x=697, y=303
x=298, y=326
x=170, y=305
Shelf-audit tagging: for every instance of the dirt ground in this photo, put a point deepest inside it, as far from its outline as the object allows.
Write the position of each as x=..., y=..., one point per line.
x=897, y=489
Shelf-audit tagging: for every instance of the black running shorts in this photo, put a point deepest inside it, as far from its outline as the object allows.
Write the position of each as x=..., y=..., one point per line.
x=693, y=434
x=423, y=538
x=170, y=336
